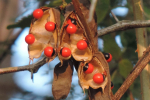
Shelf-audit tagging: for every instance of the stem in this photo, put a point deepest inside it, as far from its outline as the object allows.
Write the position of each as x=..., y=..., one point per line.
x=115, y=17
x=141, y=36
x=124, y=25
x=33, y=67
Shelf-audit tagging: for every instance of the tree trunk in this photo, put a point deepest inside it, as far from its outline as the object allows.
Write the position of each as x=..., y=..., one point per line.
x=141, y=37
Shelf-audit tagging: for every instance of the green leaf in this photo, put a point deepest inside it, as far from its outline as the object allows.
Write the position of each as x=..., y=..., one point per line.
x=55, y=3
x=25, y=22
x=102, y=9
x=125, y=66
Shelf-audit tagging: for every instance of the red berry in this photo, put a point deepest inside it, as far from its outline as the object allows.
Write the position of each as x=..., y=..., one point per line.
x=69, y=21
x=48, y=51
x=98, y=78
x=81, y=45
x=50, y=26
x=112, y=85
x=30, y=39
x=108, y=57
x=65, y=52
x=88, y=68
x=38, y=13
x=71, y=29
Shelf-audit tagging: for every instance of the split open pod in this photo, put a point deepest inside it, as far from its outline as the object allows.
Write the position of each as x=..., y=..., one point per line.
x=44, y=31
x=98, y=80
x=73, y=36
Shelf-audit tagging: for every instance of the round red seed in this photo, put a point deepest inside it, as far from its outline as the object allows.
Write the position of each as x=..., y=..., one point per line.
x=38, y=13
x=30, y=39
x=48, y=51
x=88, y=68
x=65, y=52
x=98, y=78
x=71, y=29
x=50, y=26
x=81, y=45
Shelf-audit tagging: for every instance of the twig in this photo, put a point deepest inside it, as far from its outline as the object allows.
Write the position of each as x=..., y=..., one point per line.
x=33, y=67
x=124, y=25
x=133, y=75
x=115, y=17
x=92, y=8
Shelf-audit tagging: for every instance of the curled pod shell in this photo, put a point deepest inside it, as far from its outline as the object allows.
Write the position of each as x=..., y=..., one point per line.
x=62, y=80
x=86, y=81
x=70, y=40
x=44, y=38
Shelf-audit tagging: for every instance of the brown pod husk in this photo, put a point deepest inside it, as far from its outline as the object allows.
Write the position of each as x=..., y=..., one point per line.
x=71, y=40
x=62, y=80
x=86, y=80
x=44, y=38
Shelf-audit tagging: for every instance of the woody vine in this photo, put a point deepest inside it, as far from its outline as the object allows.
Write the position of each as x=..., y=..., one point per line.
x=60, y=44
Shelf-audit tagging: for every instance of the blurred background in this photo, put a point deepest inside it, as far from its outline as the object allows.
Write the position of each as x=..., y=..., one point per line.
x=15, y=19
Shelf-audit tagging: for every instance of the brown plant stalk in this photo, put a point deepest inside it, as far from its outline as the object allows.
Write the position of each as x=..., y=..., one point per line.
x=124, y=25
x=142, y=62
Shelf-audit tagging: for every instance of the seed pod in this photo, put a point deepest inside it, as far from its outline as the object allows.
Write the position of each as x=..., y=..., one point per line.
x=62, y=80
x=86, y=81
x=70, y=40
x=44, y=38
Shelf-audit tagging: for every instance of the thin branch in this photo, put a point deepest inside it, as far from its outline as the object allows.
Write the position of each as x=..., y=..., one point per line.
x=124, y=25
x=33, y=67
x=133, y=75
x=115, y=17
x=92, y=9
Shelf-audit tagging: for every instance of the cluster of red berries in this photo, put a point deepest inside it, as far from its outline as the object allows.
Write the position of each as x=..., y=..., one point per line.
x=49, y=26
x=66, y=52
x=98, y=77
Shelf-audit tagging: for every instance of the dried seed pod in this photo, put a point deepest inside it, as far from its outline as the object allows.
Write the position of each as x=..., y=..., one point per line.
x=86, y=81
x=70, y=40
x=44, y=38
x=62, y=80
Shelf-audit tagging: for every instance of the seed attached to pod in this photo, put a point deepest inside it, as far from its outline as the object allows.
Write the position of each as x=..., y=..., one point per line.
x=108, y=57
x=112, y=85
x=65, y=52
x=71, y=21
x=49, y=51
x=71, y=29
x=30, y=39
x=38, y=13
x=81, y=45
x=50, y=26
x=98, y=78
x=88, y=68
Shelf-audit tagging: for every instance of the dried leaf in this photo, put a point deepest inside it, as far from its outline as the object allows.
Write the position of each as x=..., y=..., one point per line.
x=44, y=38
x=62, y=80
